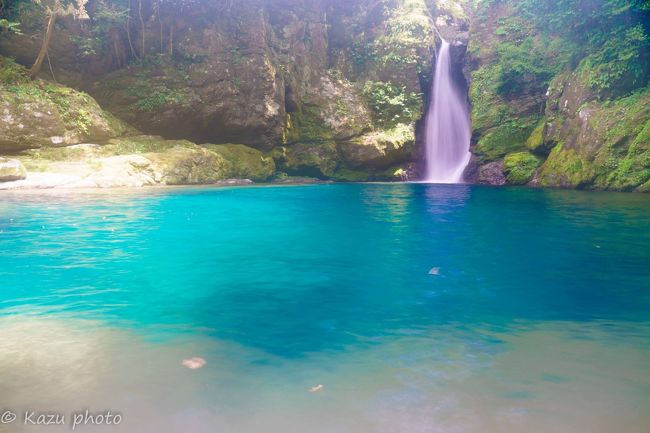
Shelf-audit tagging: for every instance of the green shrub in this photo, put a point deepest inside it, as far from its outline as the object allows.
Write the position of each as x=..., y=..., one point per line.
x=520, y=167
x=11, y=72
x=391, y=104
x=620, y=64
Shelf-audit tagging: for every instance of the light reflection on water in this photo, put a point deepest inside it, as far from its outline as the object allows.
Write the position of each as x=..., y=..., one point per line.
x=538, y=321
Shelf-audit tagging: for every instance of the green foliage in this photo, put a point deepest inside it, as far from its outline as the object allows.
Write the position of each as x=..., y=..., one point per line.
x=623, y=126
x=488, y=109
x=585, y=21
x=392, y=104
x=404, y=33
x=143, y=144
x=9, y=26
x=71, y=106
x=527, y=66
x=620, y=63
x=11, y=72
x=362, y=53
x=152, y=95
x=343, y=174
x=306, y=125
x=535, y=142
x=520, y=167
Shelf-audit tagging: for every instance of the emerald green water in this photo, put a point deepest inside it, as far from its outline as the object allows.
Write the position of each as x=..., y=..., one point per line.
x=538, y=319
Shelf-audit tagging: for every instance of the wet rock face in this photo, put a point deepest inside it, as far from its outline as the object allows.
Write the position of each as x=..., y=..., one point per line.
x=491, y=174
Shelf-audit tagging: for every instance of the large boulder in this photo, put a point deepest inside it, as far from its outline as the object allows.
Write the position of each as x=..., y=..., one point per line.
x=491, y=174
x=319, y=160
x=520, y=167
x=379, y=149
x=140, y=160
x=243, y=162
x=37, y=113
x=11, y=169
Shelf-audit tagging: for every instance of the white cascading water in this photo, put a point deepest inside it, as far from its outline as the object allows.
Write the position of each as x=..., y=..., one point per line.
x=447, y=131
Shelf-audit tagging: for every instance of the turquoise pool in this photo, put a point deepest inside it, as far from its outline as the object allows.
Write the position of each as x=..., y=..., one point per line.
x=536, y=319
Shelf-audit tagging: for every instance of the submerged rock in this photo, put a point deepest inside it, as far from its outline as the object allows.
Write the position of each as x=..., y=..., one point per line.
x=316, y=388
x=194, y=363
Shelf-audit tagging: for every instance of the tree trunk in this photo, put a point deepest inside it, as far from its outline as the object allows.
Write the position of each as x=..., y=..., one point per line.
x=44, y=46
x=171, y=40
x=128, y=30
x=142, y=52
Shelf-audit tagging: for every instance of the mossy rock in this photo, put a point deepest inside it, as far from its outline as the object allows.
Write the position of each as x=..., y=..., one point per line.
x=632, y=171
x=244, y=162
x=347, y=175
x=506, y=138
x=141, y=144
x=565, y=168
x=187, y=166
x=619, y=133
x=520, y=167
x=318, y=160
x=38, y=114
x=536, y=143
x=307, y=125
x=379, y=150
x=488, y=108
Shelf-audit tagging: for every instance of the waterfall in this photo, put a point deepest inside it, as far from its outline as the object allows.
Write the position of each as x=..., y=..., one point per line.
x=447, y=130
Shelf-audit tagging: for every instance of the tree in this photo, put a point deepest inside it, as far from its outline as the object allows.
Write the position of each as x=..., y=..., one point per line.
x=55, y=8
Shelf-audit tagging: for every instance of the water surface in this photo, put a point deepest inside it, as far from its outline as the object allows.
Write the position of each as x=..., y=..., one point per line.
x=538, y=319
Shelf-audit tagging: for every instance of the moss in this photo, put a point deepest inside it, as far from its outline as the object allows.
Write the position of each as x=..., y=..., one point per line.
x=506, y=138
x=633, y=170
x=11, y=72
x=73, y=107
x=535, y=142
x=622, y=130
x=347, y=175
x=307, y=125
x=520, y=167
x=185, y=166
x=318, y=160
x=488, y=109
x=67, y=153
x=619, y=66
x=244, y=162
x=140, y=144
x=50, y=114
x=566, y=168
